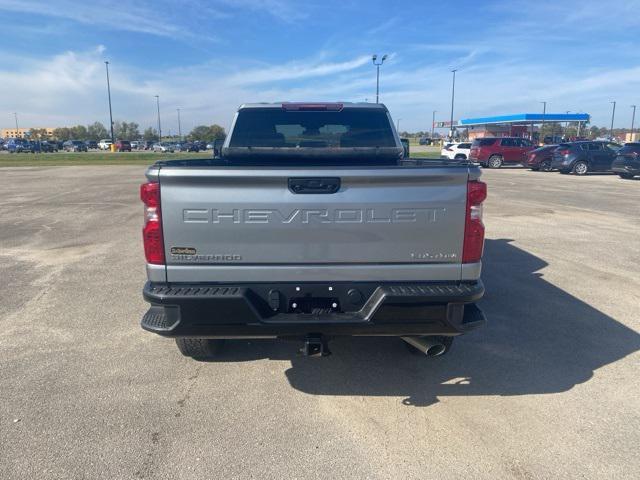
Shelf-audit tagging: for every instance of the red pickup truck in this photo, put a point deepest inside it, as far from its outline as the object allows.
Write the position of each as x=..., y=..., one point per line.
x=493, y=152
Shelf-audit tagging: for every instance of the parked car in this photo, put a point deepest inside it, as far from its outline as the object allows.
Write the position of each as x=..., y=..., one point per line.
x=135, y=145
x=15, y=145
x=581, y=158
x=456, y=151
x=186, y=147
x=75, y=146
x=627, y=161
x=123, y=146
x=105, y=144
x=405, y=147
x=493, y=152
x=541, y=158
x=163, y=147
x=285, y=257
x=48, y=147
x=92, y=144
x=425, y=141
x=209, y=146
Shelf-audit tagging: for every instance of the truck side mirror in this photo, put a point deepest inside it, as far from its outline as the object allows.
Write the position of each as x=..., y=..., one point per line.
x=217, y=147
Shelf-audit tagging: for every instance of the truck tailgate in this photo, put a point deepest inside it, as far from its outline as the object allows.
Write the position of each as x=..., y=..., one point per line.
x=236, y=217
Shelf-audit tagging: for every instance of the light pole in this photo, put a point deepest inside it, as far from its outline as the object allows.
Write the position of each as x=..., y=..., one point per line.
x=453, y=96
x=113, y=140
x=544, y=112
x=15, y=115
x=613, y=116
x=398, y=125
x=159, y=127
x=179, y=126
x=633, y=120
x=377, y=64
x=433, y=123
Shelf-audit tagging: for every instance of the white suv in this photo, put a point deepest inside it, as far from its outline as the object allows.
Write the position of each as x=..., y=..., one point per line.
x=104, y=144
x=456, y=151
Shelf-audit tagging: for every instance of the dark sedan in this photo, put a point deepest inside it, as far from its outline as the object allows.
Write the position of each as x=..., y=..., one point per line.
x=540, y=158
x=627, y=161
x=581, y=158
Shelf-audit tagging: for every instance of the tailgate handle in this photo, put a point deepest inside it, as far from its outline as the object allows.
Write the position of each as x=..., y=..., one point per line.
x=314, y=185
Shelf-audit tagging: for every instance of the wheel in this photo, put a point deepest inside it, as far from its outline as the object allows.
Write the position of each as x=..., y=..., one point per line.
x=580, y=168
x=199, y=348
x=495, y=161
x=534, y=169
x=545, y=166
x=626, y=176
x=460, y=156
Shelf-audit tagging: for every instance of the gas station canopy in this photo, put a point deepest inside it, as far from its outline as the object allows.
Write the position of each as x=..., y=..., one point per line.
x=524, y=119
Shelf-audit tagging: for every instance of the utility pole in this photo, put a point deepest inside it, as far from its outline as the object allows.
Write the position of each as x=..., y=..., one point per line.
x=159, y=127
x=179, y=126
x=398, y=125
x=453, y=96
x=633, y=120
x=433, y=123
x=113, y=140
x=613, y=116
x=15, y=114
x=544, y=112
x=377, y=64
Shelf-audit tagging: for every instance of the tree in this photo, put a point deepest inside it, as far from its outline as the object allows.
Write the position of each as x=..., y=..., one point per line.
x=38, y=134
x=97, y=131
x=79, y=132
x=126, y=131
x=63, y=134
x=150, y=135
x=205, y=133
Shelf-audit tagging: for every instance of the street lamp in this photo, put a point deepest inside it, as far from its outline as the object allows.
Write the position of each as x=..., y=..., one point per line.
x=15, y=115
x=433, y=123
x=179, y=126
x=613, y=116
x=113, y=140
x=159, y=128
x=398, y=125
x=544, y=112
x=377, y=64
x=633, y=120
x=453, y=95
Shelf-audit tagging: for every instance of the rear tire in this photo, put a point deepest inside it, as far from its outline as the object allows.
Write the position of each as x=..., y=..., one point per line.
x=199, y=348
x=580, y=168
x=495, y=161
x=535, y=169
x=460, y=156
x=545, y=166
x=626, y=176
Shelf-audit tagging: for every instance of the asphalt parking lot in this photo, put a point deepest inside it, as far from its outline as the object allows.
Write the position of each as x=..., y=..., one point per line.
x=548, y=389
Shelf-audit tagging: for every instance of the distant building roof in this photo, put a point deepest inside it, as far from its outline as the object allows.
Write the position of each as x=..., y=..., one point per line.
x=526, y=118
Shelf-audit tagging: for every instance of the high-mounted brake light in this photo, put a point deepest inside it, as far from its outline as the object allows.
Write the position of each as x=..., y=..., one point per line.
x=474, y=228
x=311, y=107
x=152, y=230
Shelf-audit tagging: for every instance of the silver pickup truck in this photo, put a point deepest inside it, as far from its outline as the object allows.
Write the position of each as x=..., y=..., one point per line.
x=310, y=223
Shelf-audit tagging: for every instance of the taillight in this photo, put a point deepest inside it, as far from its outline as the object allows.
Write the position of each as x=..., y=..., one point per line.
x=474, y=228
x=564, y=151
x=152, y=230
x=309, y=107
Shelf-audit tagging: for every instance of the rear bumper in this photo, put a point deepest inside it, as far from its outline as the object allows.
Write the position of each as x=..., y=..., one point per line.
x=280, y=310
x=626, y=166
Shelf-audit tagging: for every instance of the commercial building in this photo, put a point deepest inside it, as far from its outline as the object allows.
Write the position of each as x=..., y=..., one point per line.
x=24, y=132
x=517, y=125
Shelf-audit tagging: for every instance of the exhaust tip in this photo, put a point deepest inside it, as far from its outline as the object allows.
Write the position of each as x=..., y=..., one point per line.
x=433, y=346
x=436, y=350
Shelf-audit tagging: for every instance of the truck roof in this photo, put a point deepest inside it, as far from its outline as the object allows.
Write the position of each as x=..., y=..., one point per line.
x=380, y=106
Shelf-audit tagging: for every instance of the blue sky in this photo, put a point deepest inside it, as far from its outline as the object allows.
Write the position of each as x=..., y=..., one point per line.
x=207, y=57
